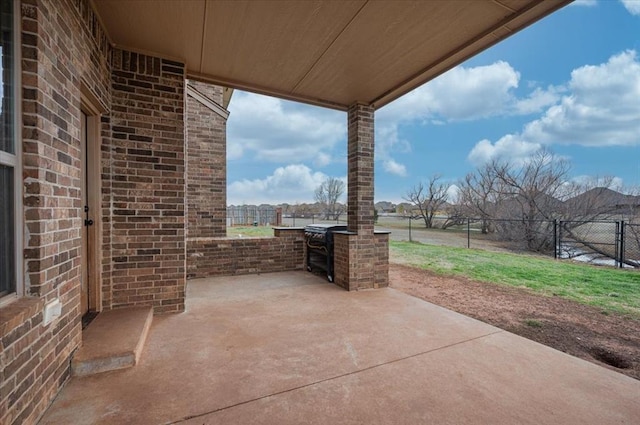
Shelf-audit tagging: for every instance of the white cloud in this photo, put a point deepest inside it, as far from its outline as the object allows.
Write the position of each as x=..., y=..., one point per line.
x=588, y=3
x=537, y=100
x=510, y=147
x=632, y=6
x=234, y=151
x=461, y=94
x=392, y=167
x=293, y=183
x=322, y=160
x=602, y=107
x=452, y=193
x=458, y=95
x=280, y=131
x=387, y=143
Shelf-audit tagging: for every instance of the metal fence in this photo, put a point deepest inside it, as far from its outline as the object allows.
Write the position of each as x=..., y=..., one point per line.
x=253, y=216
x=630, y=240
x=301, y=220
x=606, y=242
x=603, y=242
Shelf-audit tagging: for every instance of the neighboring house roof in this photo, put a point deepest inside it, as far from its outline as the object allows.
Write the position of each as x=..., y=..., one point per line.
x=329, y=53
x=605, y=199
x=385, y=206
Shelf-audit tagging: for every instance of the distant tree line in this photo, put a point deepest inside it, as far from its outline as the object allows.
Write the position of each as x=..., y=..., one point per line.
x=520, y=200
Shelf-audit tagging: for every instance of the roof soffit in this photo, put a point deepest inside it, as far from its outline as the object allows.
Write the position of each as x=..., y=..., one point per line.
x=326, y=53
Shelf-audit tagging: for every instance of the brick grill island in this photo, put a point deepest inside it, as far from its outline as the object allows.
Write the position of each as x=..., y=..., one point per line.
x=223, y=256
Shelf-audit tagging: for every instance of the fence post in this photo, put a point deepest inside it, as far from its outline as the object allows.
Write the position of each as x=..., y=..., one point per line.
x=555, y=238
x=560, y=239
x=622, y=224
x=468, y=232
x=617, y=246
x=410, y=229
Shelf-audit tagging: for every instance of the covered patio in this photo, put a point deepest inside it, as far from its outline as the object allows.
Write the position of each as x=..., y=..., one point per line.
x=120, y=191
x=290, y=348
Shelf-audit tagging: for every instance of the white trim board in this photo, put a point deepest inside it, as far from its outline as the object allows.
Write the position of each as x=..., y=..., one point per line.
x=207, y=102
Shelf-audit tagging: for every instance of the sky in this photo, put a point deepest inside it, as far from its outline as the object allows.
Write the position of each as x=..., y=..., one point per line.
x=570, y=83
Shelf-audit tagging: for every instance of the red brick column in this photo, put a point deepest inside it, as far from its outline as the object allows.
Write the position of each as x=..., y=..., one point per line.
x=356, y=251
x=360, y=173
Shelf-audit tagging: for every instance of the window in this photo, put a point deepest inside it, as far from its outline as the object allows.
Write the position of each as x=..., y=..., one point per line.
x=8, y=152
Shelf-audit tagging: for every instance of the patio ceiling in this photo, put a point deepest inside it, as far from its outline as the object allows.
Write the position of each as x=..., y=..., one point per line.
x=328, y=53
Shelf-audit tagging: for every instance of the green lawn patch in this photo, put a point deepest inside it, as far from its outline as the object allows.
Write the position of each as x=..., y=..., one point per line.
x=249, y=231
x=608, y=288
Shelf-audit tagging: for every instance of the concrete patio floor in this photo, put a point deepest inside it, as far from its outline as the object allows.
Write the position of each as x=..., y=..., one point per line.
x=290, y=348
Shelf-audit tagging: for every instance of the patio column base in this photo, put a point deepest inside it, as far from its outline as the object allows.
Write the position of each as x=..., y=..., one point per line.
x=361, y=261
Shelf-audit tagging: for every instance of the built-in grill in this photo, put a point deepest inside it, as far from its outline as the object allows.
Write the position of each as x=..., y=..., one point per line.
x=319, y=238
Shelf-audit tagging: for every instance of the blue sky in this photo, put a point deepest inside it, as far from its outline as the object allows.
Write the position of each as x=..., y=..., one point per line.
x=570, y=82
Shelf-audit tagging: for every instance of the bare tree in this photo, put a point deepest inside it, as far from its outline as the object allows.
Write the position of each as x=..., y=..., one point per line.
x=456, y=215
x=520, y=201
x=328, y=194
x=530, y=194
x=480, y=194
x=428, y=200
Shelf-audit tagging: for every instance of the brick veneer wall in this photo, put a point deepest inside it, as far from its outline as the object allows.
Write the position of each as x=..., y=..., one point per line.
x=226, y=256
x=344, y=245
x=381, y=262
x=148, y=247
x=206, y=165
x=360, y=248
x=346, y=255
x=360, y=151
x=63, y=47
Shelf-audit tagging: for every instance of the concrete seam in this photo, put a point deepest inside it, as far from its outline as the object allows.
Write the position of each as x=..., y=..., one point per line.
x=199, y=415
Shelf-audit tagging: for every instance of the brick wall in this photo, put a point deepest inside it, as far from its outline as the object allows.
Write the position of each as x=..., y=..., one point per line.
x=344, y=245
x=226, y=256
x=347, y=254
x=206, y=164
x=381, y=267
x=63, y=47
x=147, y=187
x=360, y=151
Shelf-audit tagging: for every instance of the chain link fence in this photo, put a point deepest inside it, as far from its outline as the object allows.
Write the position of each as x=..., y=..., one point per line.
x=301, y=220
x=253, y=216
x=630, y=252
x=603, y=242
x=596, y=242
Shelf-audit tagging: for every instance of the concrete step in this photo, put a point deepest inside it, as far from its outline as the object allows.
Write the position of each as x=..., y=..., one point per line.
x=114, y=340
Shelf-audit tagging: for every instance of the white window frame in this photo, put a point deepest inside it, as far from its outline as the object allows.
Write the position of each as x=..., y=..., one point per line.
x=15, y=160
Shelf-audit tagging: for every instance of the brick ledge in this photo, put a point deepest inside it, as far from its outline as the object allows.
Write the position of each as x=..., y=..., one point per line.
x=17, y=312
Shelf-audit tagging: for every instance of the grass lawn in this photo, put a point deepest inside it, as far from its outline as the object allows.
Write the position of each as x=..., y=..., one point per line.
x=249, y=231
x=608, y=288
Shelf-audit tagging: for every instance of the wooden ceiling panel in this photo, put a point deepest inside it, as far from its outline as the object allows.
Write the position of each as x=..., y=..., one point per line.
x=329, y=53
x=526, y=13
x=271, y=44
x=395, y=42
x=171, y=28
